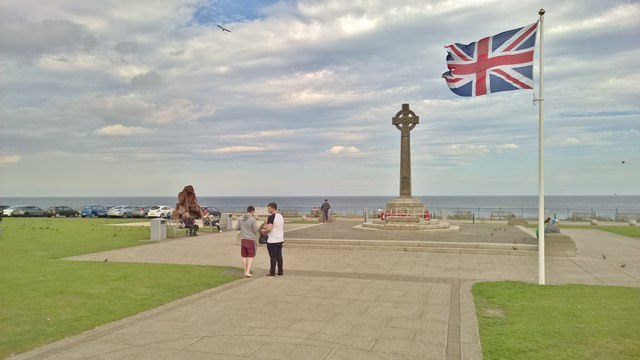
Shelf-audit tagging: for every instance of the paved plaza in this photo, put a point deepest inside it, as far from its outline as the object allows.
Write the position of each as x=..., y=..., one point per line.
x=333, y=304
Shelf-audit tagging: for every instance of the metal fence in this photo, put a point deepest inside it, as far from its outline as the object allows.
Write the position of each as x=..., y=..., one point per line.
x=481, y=213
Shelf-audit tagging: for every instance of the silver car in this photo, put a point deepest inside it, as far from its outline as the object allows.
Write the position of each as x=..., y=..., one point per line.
x=23, y=210
x=123, y=211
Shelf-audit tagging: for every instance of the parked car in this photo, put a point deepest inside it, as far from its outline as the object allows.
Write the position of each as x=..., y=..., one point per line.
x=94, y=211
x=9, y=210
x=23, y=210
x=123, y=211
x=160, y=211
x=140, y=211
x=58, y=211
x=212, y=211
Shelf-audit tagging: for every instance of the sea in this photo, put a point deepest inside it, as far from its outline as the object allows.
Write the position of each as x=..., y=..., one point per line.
x=605, y=207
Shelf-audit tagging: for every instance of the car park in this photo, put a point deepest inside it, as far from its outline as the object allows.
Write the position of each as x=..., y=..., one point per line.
x=161, y=211
x=23, y=210
x=140, y=211
x=59, y=211
x=94, y=211
x=123, y=211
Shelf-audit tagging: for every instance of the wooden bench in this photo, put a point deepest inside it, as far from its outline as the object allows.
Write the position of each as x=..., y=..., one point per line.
x=289, y=213
x=461, y=214
x=583, y=216
x=213, y=225
x=174, y=228
x=627, y=216
x=501, y=215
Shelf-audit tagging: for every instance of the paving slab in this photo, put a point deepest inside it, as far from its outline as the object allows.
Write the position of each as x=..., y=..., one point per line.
x=332, y=304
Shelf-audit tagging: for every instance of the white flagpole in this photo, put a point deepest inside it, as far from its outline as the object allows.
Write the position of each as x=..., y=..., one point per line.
x=541, y=270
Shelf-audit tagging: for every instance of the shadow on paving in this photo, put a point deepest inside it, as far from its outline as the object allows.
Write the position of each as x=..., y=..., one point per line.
x=469, y=233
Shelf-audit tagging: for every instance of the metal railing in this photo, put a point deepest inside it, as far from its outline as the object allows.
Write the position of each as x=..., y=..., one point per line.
x=480, y=213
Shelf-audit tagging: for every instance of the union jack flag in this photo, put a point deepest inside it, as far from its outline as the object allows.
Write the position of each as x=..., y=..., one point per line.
x=501, y=62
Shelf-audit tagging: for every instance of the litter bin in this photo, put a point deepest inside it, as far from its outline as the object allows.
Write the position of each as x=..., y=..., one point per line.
x=226, y=221
x=158, y=229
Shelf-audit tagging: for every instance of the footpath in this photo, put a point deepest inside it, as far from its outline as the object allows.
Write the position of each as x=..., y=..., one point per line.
x=332, y=304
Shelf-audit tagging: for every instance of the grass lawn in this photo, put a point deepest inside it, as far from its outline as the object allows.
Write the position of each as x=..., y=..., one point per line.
x=44, y=299
x=525, y=321
x=631, y=231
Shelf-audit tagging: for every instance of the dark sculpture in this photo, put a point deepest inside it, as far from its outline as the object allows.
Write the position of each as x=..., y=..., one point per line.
x=187, y=205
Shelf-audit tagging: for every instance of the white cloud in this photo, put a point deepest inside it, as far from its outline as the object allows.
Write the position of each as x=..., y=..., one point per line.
x=507, y=147
x=46, y=36
x=352, y=25
x=180, y=111
x=121, y=130
x=466, y=149
x=9, y=159
x=237, y=149
x=263, y=134
x=571, y=141
x=339, y=149
x=148, y=79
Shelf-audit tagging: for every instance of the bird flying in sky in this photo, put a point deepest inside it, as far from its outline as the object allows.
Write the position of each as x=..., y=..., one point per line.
x=223, y=29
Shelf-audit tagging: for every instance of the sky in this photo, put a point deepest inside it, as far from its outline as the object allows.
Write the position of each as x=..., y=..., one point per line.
x=140, y=98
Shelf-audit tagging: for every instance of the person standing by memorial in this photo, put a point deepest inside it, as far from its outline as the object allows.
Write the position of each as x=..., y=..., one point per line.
x=275, y=230
x=249, y=230
x=325, y=211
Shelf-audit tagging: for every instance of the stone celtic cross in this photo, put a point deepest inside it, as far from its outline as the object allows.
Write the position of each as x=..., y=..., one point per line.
x=405, y=120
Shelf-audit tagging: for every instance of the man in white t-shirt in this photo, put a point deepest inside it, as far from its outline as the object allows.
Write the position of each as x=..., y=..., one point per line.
x=275, y=229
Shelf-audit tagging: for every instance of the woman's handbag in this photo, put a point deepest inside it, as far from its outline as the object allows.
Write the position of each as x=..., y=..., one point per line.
x=263, y=239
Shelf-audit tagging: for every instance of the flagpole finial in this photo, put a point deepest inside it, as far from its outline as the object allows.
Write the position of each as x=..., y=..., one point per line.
x=541, y=12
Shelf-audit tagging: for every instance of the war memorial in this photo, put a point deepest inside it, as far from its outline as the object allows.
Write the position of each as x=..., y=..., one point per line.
x=406, y=223
x=406, y=212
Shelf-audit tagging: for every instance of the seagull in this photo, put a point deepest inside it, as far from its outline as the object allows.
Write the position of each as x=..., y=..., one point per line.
x=223, y=29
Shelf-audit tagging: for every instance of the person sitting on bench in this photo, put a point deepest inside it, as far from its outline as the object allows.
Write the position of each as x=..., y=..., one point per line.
x=189, y=224
x=209, y=220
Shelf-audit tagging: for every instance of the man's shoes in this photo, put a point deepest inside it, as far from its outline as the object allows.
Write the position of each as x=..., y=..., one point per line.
x=278, y=275
x=271, y=276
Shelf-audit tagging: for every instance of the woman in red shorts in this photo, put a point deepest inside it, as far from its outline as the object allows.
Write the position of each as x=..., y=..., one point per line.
x=249, y=229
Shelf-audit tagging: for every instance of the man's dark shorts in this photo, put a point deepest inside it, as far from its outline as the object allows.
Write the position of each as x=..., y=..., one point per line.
x=248, y=248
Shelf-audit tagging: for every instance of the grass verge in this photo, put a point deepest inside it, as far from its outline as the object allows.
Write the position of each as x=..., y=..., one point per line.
x=44, y=299
x=630, y=231
x=525, y=321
